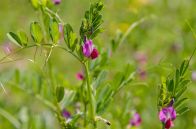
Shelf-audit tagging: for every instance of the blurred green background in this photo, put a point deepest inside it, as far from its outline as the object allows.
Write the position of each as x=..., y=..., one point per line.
x=164, y=38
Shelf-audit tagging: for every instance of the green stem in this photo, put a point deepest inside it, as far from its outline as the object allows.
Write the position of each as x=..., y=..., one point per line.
x=90, y=95
x=85, y=118
x=163, y=126
x=14, y=121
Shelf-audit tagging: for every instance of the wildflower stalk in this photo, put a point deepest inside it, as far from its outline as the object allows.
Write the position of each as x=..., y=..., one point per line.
x=163, y=126
x=90, y=95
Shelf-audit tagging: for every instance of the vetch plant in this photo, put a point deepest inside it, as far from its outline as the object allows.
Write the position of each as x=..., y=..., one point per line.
x=95, y=92
x=171, y=100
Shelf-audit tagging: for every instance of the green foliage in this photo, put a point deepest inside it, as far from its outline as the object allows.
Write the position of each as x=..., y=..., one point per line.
x=37, y=3
x=19, y=39
x=14, y=38
x=174, y=87
x=54, y=31
x=36, y=32
x=23, y=38
x=70, y=37
x=106, y=92
x=59, y=93
x=92, y=21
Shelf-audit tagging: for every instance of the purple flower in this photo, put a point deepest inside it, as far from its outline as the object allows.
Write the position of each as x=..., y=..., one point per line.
x=167, y=115
x=56, y=2
x=194, y=75
x=66, y=114
x=88, y=49
x=80, y=76
x=136, y=120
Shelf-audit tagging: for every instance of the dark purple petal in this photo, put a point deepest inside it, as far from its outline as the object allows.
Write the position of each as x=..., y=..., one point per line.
x=66, y=114
x=56, y=1
x=169, y=124
x=94, y=54
x=171, y=103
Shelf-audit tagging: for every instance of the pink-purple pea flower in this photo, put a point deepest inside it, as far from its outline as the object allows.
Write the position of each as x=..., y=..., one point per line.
x=66, y=114
x=89, y=50
x=56, y=2
x=136, y=120
x=167, y=115
x=80, y=76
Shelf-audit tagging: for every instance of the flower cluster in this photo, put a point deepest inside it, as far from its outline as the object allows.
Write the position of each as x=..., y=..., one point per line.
x=89, y=50
x=136, y=120
x=167, y=115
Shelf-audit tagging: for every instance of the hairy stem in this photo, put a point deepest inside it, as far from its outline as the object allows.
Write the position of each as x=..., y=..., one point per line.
x=90, y=95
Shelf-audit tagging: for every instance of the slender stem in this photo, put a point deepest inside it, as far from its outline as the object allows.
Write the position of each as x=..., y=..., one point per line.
x=55, y=14
x=85, y=118
x=163, y=126
x=90, y=95
x=17, y=51
x=69, y=51
x=14, y=121
x=49, y=54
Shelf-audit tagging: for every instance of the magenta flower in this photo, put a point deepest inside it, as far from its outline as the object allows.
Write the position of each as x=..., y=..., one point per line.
x=136, y=120
x=80, y=76
x=88, y=50
x=167, y=115
x=66, y=114
x=56, y=2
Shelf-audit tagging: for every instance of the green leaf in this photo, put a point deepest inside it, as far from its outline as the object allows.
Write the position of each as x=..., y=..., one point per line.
x=35, y=3
x=43, y=2
x=14, y=38
x=182, y=67
x=182, y=84
x=70, y=37
x=36, y=32
x=186, y=65
x=54, y=30
x=100, y=78
x=59, y=93
x=178, y=103
x=171, y=86
x=183, y=110
x=23, y=38
x=177, y=76
x=95, y=33
x=180, y=92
